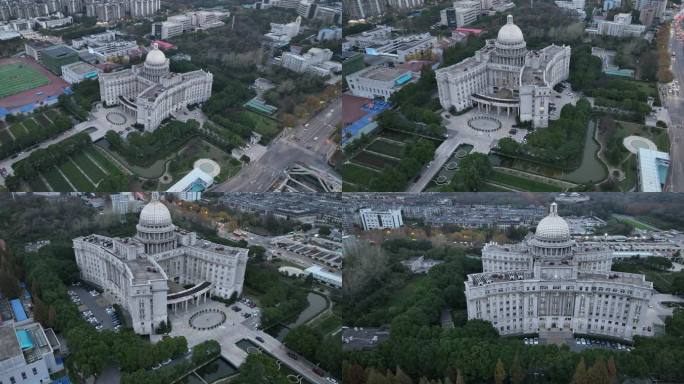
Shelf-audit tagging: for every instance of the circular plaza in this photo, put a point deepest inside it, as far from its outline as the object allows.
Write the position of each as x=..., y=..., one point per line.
x=208, y=166
x=634, y=143
x=206, y=319
x=484, y=123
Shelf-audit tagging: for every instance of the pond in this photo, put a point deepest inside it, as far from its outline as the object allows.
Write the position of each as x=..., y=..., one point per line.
x=217, y=369
x=591, y=169
x=214, y=371
x=317, y=304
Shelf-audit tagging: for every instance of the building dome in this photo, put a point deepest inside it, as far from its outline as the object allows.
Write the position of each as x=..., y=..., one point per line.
x=155, y=56
x=510, y=33
x=553, y=227
x=155, y=214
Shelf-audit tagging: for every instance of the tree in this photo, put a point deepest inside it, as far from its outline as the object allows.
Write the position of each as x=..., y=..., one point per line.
x=9, y=285
x=516, y=371
x=612, y=369
x=580, y=376
x=324, y=231
x=402, y=378
x=598, y=373
x=473, y=170
x=459, y=377
x=499, y=372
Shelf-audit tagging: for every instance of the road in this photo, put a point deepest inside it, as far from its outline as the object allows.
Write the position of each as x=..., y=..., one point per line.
x=307, y=144
x=675, y=105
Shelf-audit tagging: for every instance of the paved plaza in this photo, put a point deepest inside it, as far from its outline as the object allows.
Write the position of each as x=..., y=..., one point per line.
x=233, y=329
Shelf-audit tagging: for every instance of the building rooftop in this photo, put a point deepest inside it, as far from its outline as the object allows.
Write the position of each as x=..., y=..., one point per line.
x=81, y=68
x=59, y=51
x=9, y=345
x=653, y=166
x=381, y=73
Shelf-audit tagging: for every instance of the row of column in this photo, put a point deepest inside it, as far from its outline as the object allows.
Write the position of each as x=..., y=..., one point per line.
x=197, y=299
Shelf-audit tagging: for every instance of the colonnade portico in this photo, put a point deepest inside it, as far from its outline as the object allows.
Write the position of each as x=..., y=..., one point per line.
x=183, y=299
x=488, y=107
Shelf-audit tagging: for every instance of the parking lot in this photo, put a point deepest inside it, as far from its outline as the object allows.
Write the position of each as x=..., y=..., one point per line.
x=582, y=343
x=249, y=312
x=94, y=309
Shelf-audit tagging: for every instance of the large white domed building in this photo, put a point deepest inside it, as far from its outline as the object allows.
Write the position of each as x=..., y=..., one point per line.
x=150, y=92
x=141, y=271
x=504, y=77
x=549, y=282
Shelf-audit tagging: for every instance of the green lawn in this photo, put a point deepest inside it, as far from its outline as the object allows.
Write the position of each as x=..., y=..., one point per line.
x=386, y=148
x=42, y=119
x=522, y=183
x=19, y=77
x=31, y=125
x=262, y=124
x=87, y=165
x=327, y=323
x=76, y=177
x=352, y=173
x=4, y=137
x=56, y=181
x=18, y=130
x=37, y=185
x=110, y=167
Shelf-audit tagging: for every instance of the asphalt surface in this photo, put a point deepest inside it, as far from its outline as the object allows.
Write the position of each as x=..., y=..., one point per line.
x=307, y=144
x=675, y=105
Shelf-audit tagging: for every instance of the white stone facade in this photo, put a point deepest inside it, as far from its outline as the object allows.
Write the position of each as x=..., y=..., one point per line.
x=150, y=92
x=550, y=282
x=505, y=77
x=371, y=219
x=136, y=271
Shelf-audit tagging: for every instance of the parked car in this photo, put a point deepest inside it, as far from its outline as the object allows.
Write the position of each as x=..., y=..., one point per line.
x=260, y=339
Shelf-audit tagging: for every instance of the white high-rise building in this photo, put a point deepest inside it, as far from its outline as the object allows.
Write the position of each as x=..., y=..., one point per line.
x=504, y=77
x=371, y=219
x=467, y=12
x=150, y=92
x=549, y=282
x=405, y=4
x=138, y=271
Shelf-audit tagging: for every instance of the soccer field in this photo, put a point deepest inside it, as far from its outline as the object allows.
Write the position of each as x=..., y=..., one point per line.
x=19, y=77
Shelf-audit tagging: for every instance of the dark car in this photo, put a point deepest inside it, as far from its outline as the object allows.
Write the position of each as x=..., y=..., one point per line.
x=260, y=339
x=318, y=371
x=293, y=355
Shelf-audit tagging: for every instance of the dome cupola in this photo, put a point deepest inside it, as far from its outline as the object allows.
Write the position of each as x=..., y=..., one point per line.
x=553, y=227
x=510, y=33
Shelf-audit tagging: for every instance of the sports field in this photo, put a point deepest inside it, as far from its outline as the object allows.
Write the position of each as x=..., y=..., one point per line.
x=19, y=77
